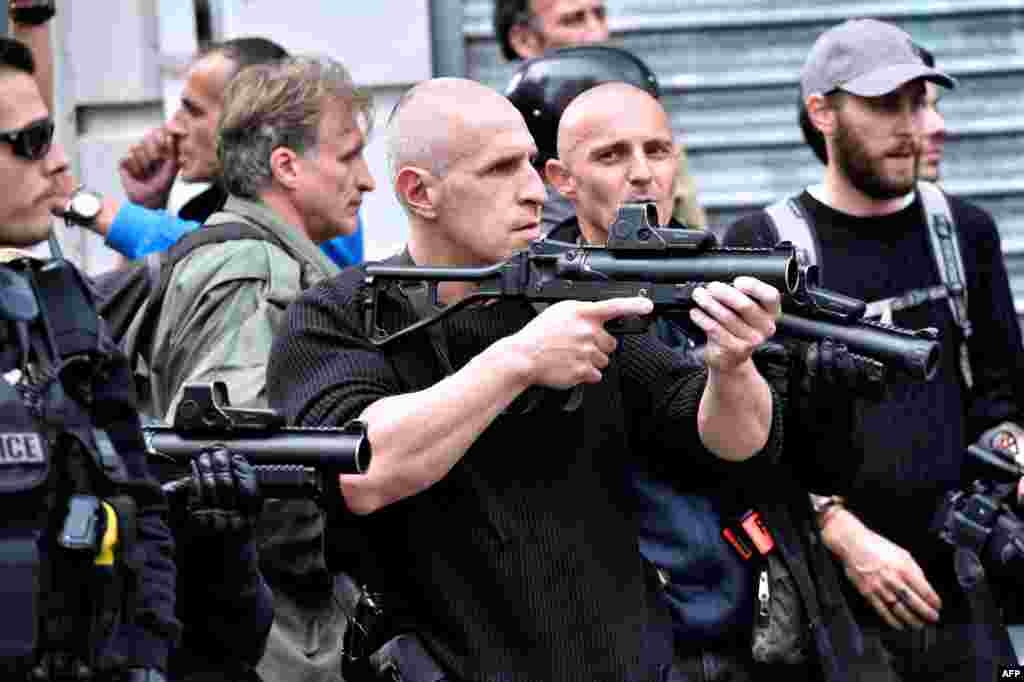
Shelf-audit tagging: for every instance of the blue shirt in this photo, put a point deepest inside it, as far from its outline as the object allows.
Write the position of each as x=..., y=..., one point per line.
x=137, y=231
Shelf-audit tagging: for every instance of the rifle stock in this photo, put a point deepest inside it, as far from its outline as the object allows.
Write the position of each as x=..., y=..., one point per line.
x=289, y=462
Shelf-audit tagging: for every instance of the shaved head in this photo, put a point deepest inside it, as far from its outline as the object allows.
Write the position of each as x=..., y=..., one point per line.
x=439, y=121
x=460, y=158
x=595, y=111
x=615, y=145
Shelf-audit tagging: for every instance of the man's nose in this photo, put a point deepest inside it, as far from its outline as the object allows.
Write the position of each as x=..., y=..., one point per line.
x=640, y=168
x=174, y=126
x=595, y=29
x=56, y=161
x=533, y=189
x=366, y=182
x=936, y=126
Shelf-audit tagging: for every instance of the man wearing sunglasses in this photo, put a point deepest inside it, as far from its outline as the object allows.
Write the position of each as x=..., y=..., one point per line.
x=31, y=166
x=87, y=572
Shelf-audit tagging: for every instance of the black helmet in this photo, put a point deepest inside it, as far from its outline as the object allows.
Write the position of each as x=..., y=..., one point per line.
x=542, y=87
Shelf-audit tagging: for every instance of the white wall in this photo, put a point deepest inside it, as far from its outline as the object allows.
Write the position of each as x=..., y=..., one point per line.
x=108, y=97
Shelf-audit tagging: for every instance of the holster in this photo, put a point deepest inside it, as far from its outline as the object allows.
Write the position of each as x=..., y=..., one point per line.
x=380, y=645
x=403, y=659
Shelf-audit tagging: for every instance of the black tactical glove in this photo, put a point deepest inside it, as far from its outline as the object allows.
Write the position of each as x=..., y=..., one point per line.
x=829, y=365
x=819, y=370
x=226, y=495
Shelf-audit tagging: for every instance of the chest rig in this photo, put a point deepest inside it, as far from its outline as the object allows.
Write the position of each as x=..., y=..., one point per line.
x=64, y=580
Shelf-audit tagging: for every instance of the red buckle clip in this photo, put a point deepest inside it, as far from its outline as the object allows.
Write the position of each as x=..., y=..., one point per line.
x=741, y=547
x=757, y=532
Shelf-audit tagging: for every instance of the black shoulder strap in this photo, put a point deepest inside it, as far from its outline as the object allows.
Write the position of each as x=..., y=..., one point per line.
x=408, y=358
x=942, y=234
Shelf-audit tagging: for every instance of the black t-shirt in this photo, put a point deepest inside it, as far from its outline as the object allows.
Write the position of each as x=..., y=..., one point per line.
x=913, y=443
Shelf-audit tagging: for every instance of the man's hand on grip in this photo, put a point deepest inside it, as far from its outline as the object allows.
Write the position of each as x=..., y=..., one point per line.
x=228, y=498
x=568, y=344
x=736, y=318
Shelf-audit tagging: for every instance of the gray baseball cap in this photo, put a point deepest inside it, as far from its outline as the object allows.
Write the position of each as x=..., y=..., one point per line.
x=865, y=57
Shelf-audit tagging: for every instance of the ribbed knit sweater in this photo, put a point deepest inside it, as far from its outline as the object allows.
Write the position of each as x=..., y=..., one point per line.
x=522, y=562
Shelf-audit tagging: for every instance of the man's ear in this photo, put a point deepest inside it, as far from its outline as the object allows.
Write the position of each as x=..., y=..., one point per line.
x=821, y=114
x=417, y=190
x=525, y=41
x=558, y=176
x=284, y=167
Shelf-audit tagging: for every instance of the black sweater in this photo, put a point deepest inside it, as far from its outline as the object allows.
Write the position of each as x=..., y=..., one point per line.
x=522, y=562
x=913, y=443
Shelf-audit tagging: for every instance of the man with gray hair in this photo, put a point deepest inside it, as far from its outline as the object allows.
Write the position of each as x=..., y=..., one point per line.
x=290, y=145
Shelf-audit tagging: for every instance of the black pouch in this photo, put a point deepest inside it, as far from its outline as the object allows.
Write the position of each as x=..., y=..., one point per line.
x=19, y=594
x=781, y=633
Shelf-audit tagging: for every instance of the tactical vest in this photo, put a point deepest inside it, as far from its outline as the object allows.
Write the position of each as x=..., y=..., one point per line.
x=66, y=579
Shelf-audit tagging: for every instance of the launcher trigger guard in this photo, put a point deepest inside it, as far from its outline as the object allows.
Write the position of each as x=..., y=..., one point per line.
x=629, y=324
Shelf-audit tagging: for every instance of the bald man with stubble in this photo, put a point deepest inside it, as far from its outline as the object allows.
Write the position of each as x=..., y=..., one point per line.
x=606, y=158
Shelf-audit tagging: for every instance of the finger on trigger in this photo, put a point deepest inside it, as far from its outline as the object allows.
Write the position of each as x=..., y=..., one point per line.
x=620, y=307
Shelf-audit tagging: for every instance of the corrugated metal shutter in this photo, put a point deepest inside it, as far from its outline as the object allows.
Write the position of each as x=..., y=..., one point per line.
x=730, y=72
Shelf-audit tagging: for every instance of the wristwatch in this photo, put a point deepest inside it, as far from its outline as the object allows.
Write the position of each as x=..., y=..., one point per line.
x=83, y=207
x=822, y=504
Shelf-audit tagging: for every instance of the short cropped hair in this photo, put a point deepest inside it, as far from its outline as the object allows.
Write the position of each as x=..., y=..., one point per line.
x=246, y=51
x=15, y=55
x=280, y=105
x=813, y=137
x=509, y=13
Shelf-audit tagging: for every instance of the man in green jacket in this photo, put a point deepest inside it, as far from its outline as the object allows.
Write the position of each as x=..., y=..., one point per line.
x=290, y=143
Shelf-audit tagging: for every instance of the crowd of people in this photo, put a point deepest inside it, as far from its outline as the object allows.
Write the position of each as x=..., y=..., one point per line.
x=714, y=502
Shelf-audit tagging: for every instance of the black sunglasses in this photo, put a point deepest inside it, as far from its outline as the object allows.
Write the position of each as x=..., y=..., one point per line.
x=31, y=142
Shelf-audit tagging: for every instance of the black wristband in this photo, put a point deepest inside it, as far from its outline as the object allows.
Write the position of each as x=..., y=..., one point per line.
x=32, y=15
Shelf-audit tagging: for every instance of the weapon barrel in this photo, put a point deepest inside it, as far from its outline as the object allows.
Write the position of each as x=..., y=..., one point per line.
x=344, y=451
x=429, y=274
x=916, y=356
x=780, y=269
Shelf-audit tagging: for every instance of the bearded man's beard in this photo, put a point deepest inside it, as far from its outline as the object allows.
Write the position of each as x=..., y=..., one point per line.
x=865, y=173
